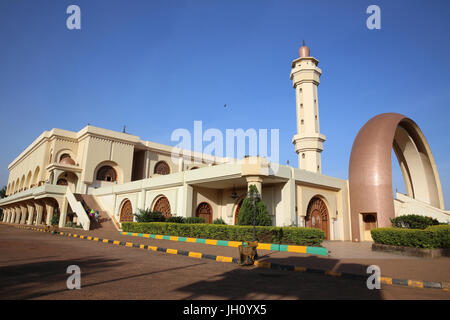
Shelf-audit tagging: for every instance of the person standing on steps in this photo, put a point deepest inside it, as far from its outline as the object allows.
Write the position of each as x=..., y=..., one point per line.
x=96, y=216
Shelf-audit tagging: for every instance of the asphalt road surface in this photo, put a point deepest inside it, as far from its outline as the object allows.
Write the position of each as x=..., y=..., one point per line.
x=33, y=265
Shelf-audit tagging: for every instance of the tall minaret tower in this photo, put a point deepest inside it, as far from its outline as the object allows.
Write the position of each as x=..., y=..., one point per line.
x=308, y=141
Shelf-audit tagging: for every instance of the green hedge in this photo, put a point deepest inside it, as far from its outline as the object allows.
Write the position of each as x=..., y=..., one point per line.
x=431, y=237
x=277, y=235
x=441, y=235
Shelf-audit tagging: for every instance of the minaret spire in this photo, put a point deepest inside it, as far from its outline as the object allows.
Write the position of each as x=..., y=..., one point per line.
x=308, y=141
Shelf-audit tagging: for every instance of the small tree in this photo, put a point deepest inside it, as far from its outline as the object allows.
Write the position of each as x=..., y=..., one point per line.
x=2, y=195
x=3, y=192
x=245, y=216
x=55, y=219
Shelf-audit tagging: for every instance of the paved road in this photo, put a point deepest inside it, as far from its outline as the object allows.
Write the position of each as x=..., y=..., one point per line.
x=33, y=266
x=343, y=257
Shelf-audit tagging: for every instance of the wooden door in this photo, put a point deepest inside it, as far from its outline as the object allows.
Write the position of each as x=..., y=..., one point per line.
x=126, y=213
x=369, y=223
x=204, y=210
x=317, y=216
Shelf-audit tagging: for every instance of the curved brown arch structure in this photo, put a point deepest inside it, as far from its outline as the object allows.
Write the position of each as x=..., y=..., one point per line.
x=370, y=169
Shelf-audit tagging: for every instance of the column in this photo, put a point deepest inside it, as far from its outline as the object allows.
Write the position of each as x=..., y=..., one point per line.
x=141, y=199
x=23, y=217
x=10, y=215
x=30, y=213
x=63, y=213
x=5, y=214
x=288, y=198
x=255, y=180
x=186, y=201
x=39, y=210
x=18, y=215
x=301, y=221
x=50, y=210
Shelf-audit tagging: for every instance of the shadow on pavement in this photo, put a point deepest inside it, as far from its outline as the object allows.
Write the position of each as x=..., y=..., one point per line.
x=257, y=283
x=25, y=281
x=314, y=262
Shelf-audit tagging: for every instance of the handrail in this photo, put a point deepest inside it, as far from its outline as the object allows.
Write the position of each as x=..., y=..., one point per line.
x=78, y=209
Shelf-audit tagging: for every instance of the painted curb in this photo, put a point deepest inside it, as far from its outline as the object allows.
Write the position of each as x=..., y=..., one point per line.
x=321, y=251
x=260, y=264
x=191, y=254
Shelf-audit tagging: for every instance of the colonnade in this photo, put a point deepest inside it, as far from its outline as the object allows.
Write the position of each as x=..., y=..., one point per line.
x=33, y=212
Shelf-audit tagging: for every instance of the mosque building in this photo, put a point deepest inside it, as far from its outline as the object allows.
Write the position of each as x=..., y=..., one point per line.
x=63, y=173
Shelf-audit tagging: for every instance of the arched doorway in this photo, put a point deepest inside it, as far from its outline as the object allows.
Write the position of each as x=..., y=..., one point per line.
x=369, y=223
x=162, y=205
x=126, y=212
x=107, y=173
x=317, y=215
x=62, y=182
x=204, y=210
x=236, y=212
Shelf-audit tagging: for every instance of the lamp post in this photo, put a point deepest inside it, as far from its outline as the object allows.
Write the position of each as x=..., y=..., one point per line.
x=253, y=196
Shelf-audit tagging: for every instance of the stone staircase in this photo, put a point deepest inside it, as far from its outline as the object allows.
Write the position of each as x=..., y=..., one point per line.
x=89, y=203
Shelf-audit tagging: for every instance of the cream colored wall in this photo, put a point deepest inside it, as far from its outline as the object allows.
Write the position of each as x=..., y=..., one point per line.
x=61, y=146
x=170, y=193
x=28, y=165
x=337, y=206
x=101, y=151
x=229, y=205
x=89, y=148
x=155, y=157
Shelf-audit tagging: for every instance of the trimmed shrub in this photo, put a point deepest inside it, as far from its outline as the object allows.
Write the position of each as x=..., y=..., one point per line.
x=70, y=224
x=264, y=234
x=175, y=219
x=413, y=221
x=219, y=221
x=432, y=237
x=194, y=220
x=146, y=215
x=441, y=235
x=246, y=212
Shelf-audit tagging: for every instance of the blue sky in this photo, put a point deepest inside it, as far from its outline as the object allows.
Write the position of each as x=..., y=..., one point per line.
x=173, y=62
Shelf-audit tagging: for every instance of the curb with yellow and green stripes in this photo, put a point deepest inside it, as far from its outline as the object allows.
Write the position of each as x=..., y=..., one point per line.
x=260, y=264
x=191, y=254
x=224, y=243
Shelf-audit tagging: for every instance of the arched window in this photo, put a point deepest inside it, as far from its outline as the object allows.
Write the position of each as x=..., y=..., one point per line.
x=107, y=173
x=64, y=155
x=162, y=168
x=162, y=205
x=204, y=210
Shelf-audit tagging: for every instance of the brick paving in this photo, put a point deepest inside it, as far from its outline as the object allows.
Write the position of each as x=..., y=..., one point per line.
x=344, y=257
x=33, y=266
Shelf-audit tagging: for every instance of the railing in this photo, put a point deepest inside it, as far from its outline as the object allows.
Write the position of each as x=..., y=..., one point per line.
x=78, y=209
